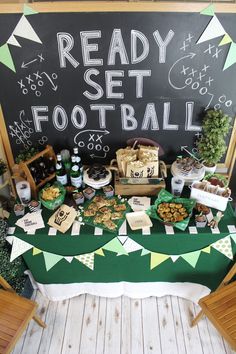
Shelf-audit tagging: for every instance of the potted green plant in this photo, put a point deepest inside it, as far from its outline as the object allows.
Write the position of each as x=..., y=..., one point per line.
x=3, y=168
x=212, y=145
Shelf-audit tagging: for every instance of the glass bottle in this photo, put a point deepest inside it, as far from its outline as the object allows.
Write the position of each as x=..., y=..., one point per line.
x=61, y=174
x=75, y=174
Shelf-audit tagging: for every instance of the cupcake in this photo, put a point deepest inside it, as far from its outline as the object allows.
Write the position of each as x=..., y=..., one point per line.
x=200, y=220
x=34, y=205
x=19, y=209
x=197, y=166
x=78, y=198
x=89, y=193
x=108, y=191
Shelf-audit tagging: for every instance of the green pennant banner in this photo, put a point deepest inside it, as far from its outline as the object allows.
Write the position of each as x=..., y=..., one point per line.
x=208, y=11
x=231, y=57
x=144, y=252
x=6, y=58
x=27, y=11
x=115, y=246
x=51, y=259
x=191, y=257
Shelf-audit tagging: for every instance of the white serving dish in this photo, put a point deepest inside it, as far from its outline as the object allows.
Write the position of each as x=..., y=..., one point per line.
x=209, y=199
x=97, y=184
x=188, y=179
x=138, y=220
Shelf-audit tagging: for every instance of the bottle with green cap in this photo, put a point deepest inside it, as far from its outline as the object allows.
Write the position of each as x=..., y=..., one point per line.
x=75, y=174
x=61, y=174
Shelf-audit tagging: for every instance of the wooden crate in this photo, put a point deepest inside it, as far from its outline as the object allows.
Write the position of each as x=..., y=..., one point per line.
x=138, y=189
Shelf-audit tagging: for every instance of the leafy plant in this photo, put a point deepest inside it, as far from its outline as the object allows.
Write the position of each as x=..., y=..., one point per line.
x=212, y=145
x=3, y=167
x=25, y=155
x=11, y=271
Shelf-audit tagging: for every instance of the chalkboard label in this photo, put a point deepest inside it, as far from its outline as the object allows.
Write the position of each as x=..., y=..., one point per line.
x=95, y=80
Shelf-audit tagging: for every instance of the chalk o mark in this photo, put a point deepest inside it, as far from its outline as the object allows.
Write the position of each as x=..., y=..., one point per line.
x=90, y=146
x=222, y=99
x=203, y=90
x=106, y=148
x=25, y=91
x=228, y=103
x=40, y=83
x=33, y=87
x=54, y=76
x=38, y=93
x=81, y=144
x=217, y=106
x=188, y=81
x=195, y=85
x=98, y=147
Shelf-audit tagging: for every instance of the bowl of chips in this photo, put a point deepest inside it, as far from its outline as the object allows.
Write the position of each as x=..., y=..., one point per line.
x=171, y=210
x=52, y=196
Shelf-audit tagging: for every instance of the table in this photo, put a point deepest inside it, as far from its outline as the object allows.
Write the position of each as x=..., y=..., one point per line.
x=198, y=270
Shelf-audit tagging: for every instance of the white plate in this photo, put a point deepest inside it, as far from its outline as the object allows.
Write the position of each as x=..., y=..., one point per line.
x=97, y=184
x=188, y=179
x=138, y=220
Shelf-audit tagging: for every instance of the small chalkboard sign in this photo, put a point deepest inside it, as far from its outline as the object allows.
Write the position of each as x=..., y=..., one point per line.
x=94, y=76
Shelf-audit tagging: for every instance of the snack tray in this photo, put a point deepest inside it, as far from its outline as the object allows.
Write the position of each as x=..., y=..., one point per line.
x=209, y=199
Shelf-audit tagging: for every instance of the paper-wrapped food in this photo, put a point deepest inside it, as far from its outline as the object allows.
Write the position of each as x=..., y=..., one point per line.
x=150, y=151
x=124, y=156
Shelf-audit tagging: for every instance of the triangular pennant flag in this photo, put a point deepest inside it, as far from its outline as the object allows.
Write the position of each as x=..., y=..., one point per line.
x=19, y=247
x=191, y=257
x=69, y=259
x=122, y=239
x=233, y=236
x=214, y=29
x=99, y=252
x=208, y=11
x=207, y=249
x=25, y=30
x=131, y=246
x=12, y=40
x=6, y=58
x=231, y=56
x=115, y=246
x=51, y=259
x=29, y=11
x=144, y=252
x=10, y=239
x=225, y=40
x=157, y=258
x=36, y=251
x=174, y=257
x=87, y=259
x=224, y=246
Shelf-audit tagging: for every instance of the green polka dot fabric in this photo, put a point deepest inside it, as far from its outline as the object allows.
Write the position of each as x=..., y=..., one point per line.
x=87, y=259
x=224, y=246
x=167, y=197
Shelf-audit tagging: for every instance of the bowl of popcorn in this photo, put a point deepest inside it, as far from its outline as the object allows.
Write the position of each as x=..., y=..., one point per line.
x=52, y=196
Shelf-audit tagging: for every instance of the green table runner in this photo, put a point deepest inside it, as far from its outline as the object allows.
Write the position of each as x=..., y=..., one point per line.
x=134, y=267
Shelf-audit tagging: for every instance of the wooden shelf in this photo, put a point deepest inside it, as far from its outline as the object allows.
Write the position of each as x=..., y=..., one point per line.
x=24, y=166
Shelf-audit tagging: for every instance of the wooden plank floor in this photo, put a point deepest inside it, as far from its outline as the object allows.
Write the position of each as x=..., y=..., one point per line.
x=93, y=325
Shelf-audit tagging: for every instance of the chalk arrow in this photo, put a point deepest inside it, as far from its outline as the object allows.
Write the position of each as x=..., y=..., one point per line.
x=25, y=65
x=191, y=56
x=54, y=87
x=105, y=132
x=183, y=148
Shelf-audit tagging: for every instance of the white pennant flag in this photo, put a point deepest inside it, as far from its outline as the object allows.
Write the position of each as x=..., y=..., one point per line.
x=12, y=40
x=19, y=247
x=69, y=259
x=214, y=29
x=224, y=246
x=25, y=30
x=131, y=246
x=122, y=239
x=174, y=258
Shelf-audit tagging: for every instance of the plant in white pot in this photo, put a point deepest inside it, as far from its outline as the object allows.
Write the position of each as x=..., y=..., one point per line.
x=212, y=145
x=3, y=168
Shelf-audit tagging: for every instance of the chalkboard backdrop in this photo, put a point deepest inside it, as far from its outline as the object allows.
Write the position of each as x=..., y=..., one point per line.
x=97, y=79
